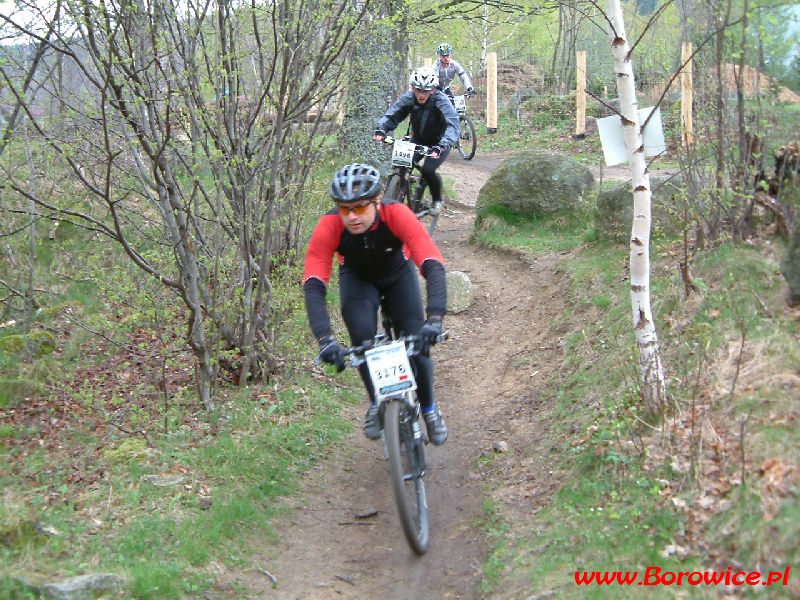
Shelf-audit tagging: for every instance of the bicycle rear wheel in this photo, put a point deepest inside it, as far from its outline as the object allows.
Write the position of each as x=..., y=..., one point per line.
x=468, y=142
x=406, y=461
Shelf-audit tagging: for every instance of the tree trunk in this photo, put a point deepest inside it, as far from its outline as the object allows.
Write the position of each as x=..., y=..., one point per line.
x=377, y=76
x=715, y=211
x=651, y=370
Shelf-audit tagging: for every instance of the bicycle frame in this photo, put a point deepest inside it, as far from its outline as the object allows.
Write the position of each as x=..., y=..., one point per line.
x=404, y=182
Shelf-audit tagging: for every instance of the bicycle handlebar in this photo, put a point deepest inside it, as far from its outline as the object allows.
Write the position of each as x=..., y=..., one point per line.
x=354, y=355
x=418, y=148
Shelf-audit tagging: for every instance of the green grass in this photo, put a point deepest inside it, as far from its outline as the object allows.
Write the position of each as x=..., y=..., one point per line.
x=557, y=135
x=163, y=538
x=560, y=233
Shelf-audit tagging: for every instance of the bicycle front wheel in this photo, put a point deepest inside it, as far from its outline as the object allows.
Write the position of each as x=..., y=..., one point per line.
x=396, y=188
x=468, y=142
x=406, y=461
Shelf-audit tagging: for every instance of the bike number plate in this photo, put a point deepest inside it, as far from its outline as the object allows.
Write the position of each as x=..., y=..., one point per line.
x=460, y=103
x=390, y=370
x=402, y=153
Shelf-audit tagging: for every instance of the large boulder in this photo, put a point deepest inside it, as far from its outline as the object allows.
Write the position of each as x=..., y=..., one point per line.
x=39, y=343
x=614, y=214
x=532, y=184
x=790, y=265
x=85, y=587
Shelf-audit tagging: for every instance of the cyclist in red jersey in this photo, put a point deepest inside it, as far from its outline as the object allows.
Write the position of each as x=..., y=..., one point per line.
x=377, y=243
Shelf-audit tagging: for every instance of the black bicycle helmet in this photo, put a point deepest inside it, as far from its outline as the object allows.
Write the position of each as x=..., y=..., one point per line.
x=353, y=182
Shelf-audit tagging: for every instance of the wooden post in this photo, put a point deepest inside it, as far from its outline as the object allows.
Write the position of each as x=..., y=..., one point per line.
x=687, y=127
x=580, y=94
x=491, y=92
x=428, y=61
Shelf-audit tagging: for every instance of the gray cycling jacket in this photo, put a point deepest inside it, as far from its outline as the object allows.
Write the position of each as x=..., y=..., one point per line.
x=448, y=73
x=434, y=123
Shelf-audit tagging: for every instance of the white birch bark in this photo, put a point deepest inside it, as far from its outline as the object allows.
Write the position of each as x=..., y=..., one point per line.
x=650, y=367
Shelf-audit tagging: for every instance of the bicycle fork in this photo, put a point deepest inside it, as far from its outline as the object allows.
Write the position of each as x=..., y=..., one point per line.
x=410, y=431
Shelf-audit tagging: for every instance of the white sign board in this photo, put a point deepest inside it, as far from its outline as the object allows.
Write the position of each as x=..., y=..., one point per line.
x=390, y=370
x=613, y=142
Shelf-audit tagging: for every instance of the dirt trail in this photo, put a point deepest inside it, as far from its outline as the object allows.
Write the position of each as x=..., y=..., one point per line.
x=343, y=540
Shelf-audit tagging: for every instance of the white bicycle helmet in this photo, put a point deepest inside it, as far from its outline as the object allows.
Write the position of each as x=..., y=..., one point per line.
x=424, y=78
x=444, y=49
x=353, y=182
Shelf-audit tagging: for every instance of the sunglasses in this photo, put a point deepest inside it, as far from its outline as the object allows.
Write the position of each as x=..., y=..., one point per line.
x=358, y=209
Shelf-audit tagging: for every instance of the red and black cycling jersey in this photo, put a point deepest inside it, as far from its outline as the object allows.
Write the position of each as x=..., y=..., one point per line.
x=377, y=255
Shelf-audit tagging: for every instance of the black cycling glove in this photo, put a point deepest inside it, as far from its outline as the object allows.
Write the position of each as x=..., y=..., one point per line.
x=438, y=149
x=429, y=332
x=332, y=353
x=471, y=91
x=380, y=132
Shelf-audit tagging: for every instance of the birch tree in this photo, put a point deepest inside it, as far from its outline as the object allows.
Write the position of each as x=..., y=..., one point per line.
x=650, y=367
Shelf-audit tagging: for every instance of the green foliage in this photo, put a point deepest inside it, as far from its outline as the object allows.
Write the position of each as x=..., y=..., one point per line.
x=14, y=589
x=616, y=512
x=126, y=451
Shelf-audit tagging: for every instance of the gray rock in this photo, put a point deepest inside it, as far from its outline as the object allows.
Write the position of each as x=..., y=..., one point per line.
x=163, y=480
x=459, y=292
x=84, y=587
x=534, y=184
x=790, y=265
x=614, y=214
x=500, y=446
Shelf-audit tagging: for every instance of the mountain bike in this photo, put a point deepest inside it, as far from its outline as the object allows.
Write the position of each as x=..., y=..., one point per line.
x=405, y=183
x=467, y=142
x=386, y=356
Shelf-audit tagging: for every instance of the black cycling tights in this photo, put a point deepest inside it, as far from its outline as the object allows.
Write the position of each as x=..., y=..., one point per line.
x=360, y=300
x=431, y=177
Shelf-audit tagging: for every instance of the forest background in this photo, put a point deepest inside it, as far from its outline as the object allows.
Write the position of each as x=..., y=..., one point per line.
x=162, y=166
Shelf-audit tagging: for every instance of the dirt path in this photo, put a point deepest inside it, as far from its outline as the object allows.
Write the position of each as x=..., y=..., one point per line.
x=344, y=539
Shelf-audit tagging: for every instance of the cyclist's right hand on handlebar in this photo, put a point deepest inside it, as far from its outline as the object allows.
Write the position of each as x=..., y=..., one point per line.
x=332, y=353
x=379, y=135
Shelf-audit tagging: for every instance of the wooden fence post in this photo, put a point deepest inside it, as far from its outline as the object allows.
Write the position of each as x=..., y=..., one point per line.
x=580, y=94
x=491, y=92
x=687, y=127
